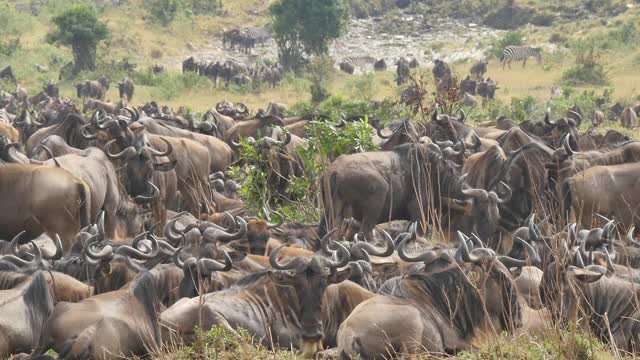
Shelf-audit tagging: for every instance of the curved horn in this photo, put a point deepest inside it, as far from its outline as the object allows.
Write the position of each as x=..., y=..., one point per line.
x=135, y=253
x=343, y=257
x=127, y=153
x=372, y=250
x=608, y=231
x=533, y=231
x=630, y=238
x=280, y=222
x=167, y=152
x=381, y=135
x=15, y=249
x=104, y=253
x=547, y=119
x=295, y=263
x=532, y=254
x=86, y=134
x=208, y=266
x=462, y=116
x=224, y=236
x=170, y=227
x=609, y=261
x=59, y=250
x=155, y=193
x=507, y=197
x=567, y=146
x=325, y=242
x=427, y=257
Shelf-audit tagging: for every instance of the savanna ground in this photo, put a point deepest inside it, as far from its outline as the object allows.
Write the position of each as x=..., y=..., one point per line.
x=611, y=42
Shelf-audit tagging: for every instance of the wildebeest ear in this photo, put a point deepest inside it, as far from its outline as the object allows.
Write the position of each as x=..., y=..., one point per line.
x=281, y=278
x=585, y=276
x=167, y=166
x=339, y=276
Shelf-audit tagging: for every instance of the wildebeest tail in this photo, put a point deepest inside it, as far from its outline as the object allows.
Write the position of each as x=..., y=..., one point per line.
x=567, y=201
x=85, y=206
x=327, y=188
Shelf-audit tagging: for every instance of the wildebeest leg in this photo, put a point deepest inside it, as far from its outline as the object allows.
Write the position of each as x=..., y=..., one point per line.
x=524, y=63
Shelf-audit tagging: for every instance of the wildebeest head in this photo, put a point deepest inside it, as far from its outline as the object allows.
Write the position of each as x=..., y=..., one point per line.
x=560, y=287
x=449, y=128
x=27, y=124
x=141, y=165
x=483, y=207
x=555, y=130
x=309, y=278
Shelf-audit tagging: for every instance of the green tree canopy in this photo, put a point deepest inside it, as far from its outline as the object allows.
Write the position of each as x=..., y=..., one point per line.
x=80, y=28
x=306, y=27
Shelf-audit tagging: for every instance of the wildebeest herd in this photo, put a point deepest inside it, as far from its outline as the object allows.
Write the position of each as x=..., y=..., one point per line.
x=122, y=234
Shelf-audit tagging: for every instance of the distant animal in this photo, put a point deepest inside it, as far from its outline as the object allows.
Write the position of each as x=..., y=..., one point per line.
x=7, y=73
x=597, y=118
x=479, y=69
x=520, y=53
x=414, y=63
x=402, y=71
x=105, y=82
x=469, y=100
x=468, y=85
x=90, y=88
x=126, y=88
x=347, y=67
x=380, y=65
x=628, y=118
x=41, y=69
x=157, y=69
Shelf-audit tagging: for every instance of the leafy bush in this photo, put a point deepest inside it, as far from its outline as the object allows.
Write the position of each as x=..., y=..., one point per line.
x=522, y=108
x=165, y=11
x=170, y=85
x=510, y=38
x=588, y=70
x=10, y=46
x=320, y=72
x=362, y=87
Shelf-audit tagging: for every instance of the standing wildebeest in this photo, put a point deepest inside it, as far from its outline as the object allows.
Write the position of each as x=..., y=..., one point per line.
x=487, y=89
x=123, y=219
x=628, y=118
x=51, y=89
x=597, y=118
x=479, y=69
x=105, y=82
x=90, y=88
x=444, y=76
x=608, y=305
x=380, y=65
x=42, y=199
x=402, y=71
x=189, y=65
x=438, y=312
x=70, y=129
x=405, y=183
x=468, y=85
x=606, y=190
x=126, y=88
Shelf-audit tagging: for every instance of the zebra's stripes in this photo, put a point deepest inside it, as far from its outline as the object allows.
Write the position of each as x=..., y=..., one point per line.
x=359, y=61
x=520, y=53
x=258, y=34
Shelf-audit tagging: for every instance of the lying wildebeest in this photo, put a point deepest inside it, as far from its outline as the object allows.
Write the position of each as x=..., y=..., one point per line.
x=298, y=291
x=437, y=312
x=608, y=305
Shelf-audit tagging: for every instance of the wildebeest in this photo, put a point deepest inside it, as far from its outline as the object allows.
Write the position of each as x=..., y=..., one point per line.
x=436, y=312
x=468, y=85
x=57, y=202
x=608, y=305
x=444, y=76
x=628, y=118
x=597, y=118
x=92, y=329
x=90, y=88
x=479, y=69
x=295, y=318
x=380, y=65
x=402, y=71
x=126, y=88
x=7, y=73
x=405, y=183
x=105, y=82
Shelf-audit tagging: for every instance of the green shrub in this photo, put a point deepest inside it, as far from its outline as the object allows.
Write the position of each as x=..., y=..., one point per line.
x=362, y=87
x=588, y=70
x=9, y=46
x=510, y=38
x=522, y=108
x=164, y=11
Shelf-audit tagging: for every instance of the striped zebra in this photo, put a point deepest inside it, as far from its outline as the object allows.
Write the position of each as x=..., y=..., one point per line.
x=518, y=53
x=258, y=35
x=358, y=61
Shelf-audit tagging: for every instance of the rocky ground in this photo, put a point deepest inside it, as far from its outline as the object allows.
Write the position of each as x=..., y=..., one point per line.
x=424, y=39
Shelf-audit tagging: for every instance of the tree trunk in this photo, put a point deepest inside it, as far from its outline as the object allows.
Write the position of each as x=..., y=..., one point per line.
x=84, y=57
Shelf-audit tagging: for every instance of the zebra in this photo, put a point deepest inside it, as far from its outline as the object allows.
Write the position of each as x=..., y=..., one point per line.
x=518, y=53
x=357, y=61
x=259, y=35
